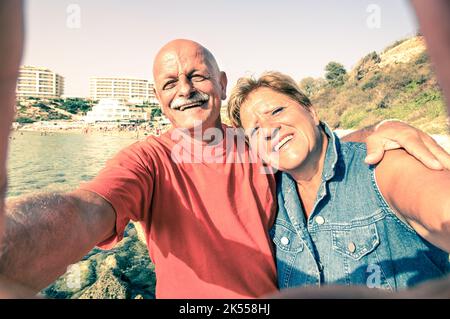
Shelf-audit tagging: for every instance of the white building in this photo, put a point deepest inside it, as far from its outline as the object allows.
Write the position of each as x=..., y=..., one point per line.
x=123, y=89
x=39, y=82
x=110, y=110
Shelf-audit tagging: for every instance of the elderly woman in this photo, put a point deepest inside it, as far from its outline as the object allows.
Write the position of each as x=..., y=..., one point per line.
x=339, y=220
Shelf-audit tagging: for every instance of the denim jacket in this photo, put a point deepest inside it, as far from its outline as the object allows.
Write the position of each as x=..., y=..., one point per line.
x=352, y=237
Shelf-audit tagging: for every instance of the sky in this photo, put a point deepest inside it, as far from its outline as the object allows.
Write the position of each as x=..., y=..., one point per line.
x=83, y=38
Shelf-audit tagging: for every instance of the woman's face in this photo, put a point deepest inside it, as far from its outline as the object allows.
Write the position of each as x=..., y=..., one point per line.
x=283, y=132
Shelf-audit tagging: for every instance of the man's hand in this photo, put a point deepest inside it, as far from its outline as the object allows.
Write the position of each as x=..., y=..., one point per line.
x=395, y=134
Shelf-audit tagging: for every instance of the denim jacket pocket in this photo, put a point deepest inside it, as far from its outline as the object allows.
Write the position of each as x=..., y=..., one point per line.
x=286, y=238
x=355, y=242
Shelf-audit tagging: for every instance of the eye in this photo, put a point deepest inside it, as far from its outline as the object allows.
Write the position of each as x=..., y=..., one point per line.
x=278, y=110
x=169, y=85
x=198, y=78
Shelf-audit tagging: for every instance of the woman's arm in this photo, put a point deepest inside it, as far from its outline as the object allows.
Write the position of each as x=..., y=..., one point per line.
x=418, y=194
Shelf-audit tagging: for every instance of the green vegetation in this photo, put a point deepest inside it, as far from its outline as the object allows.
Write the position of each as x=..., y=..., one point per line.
x=75, y=105
x=36, y=109
x=155, y=112
x=335, y=74
x=24, y=120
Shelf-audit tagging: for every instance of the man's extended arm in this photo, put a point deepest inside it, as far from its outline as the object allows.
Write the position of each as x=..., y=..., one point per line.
x=359, y=135
x=46, y=233
x=434, y=20
x=11, y=45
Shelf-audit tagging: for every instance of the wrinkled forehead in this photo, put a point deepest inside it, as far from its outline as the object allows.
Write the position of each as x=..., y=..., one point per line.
x=259, y=103
x=178, y=61
x=251, y=109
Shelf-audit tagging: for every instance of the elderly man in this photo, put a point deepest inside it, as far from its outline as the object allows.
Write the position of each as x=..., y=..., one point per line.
x=206, y=222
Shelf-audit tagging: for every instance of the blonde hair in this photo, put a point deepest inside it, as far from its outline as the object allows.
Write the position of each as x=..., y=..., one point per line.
x=276, y=81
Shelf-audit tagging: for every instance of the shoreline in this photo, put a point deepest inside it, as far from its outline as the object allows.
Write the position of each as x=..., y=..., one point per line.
x=141, y=131
x=47, y=128
x=116, y=133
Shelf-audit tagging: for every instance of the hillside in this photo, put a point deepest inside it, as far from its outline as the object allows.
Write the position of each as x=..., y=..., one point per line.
x=33, y=109
x=396, y=83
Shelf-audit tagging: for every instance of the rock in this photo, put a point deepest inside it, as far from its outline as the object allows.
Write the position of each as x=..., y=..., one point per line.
x=109, y=263
x=108, y=286
x=122, y=272
x=77, y=277
x=140, y=232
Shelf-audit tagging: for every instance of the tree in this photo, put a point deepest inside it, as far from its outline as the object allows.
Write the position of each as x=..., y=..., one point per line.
x=75, y=105
x=310, y=86
x=156, y=112
x=335, y=74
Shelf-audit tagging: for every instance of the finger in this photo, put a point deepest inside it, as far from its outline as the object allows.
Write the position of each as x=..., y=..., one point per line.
x=375, y=150
x=439, y=152
x=422, y=153
x=374, y=157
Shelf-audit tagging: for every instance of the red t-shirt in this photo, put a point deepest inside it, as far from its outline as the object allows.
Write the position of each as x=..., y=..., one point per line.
x=206, y=222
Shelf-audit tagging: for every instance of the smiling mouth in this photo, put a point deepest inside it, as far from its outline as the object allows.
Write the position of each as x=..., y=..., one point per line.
x=283, y=142
x=190, y=106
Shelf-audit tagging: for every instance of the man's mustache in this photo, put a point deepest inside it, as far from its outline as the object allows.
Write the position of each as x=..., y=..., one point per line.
x=197, y=98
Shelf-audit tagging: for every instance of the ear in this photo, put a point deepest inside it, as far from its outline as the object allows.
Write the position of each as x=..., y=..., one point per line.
x=223, y=85
x=314, y=115
x=156, y=94
x=159, y=100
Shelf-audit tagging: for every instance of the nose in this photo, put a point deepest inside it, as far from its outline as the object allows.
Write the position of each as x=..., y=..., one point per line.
x=270, y=131
x=186, y=88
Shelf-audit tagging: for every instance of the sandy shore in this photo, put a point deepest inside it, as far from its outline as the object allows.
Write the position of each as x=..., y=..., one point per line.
x=45, y=128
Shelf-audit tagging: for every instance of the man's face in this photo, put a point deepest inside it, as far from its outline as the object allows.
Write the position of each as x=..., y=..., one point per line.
x=189, y=86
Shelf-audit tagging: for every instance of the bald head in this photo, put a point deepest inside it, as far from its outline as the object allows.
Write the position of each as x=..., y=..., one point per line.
x=183, y=47
x=189, y=84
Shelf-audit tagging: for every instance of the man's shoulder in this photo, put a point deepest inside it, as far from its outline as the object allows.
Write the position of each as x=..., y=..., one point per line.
x=150, y=143
x=145, y=151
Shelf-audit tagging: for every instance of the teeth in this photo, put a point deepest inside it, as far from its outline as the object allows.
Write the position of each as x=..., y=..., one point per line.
x=183, y=107
x=282, y=142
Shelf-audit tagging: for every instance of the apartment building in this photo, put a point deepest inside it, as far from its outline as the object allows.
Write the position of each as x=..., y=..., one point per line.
x=39, y=82
x=123, y=89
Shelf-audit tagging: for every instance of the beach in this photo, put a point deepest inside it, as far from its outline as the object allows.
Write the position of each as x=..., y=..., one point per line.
x=136, y=131
x=142, y=130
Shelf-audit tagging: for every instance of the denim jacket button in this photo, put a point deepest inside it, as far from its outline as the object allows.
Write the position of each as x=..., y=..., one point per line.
x=284, y=240
x=320, y=220
x=351, y=247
